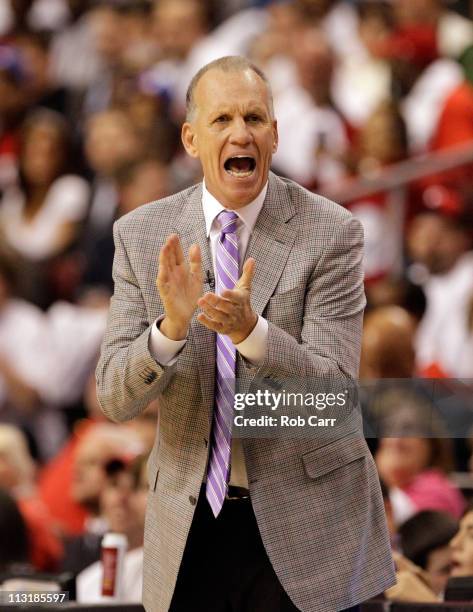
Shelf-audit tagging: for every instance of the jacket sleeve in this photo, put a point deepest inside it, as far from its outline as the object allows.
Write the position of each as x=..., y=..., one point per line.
x=128, y=377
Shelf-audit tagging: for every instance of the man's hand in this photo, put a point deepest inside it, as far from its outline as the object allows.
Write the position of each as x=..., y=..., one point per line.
x=230, y=313
x=180, y=285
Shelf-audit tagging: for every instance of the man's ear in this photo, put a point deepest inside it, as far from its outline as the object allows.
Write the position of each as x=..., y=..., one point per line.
x=189, y=139
x=275, y=136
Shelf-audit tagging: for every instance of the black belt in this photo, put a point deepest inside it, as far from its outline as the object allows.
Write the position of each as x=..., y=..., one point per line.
x=236, y=493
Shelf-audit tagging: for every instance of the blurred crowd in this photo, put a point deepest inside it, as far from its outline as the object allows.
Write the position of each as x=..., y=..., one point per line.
x=92, y=96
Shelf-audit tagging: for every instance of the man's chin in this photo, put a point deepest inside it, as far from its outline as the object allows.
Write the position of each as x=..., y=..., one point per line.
x=240, y=192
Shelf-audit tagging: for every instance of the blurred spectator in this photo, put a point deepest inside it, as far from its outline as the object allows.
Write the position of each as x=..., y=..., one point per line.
x=123, y=502
x=21, y=333
x=74, y=59
x=178, y=26
x=424, y=540
x=70, y=487
x=100, y=444
x=13, y=104
x=442, y=245
x=455, y=128
x=421, y=79
x=382, y=141
x=362, y=79
x=120, y=34
x=387, y=344
x=14, y=15
x=137, y=183
x=40, y=217
x=414, y=458
x=111, y=142
x=453, y=31
x=17, y=475
x=396, y=292
x=412, y=583
x=462, y=547
x=13, y=534
x=307, y=121
x=40, y=88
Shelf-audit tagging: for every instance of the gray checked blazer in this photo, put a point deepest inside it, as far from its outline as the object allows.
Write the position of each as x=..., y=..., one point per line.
x=317, y=501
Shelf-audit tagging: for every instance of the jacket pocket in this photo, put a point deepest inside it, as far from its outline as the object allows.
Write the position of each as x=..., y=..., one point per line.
x=334, y=455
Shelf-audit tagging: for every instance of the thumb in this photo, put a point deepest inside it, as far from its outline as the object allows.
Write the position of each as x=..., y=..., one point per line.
x=246, y=279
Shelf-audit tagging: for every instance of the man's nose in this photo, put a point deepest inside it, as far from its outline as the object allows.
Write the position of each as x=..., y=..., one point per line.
x=240, y=133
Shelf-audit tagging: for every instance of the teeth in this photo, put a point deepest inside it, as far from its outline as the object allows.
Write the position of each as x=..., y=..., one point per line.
x=240, y=174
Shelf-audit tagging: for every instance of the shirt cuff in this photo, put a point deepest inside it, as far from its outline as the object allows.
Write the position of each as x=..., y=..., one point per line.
x=164, y=350
x=253, y=348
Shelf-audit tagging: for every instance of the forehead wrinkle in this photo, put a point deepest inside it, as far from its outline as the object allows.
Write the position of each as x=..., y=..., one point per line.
x=205, y=88
x=239, y=107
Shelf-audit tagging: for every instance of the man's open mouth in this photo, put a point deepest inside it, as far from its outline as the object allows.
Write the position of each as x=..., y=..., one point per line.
x=240, y=166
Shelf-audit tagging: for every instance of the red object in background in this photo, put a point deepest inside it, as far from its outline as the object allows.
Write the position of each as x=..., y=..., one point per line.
x=454, y=128
x=55, y=482
x=455, y=125
x=433, y=370
x=416, y=44
x=45, y=546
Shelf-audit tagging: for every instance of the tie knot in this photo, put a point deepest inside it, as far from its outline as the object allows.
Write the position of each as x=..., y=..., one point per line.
x=228, y=221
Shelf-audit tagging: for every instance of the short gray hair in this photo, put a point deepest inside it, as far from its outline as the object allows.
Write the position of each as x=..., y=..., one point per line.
x=229, y=63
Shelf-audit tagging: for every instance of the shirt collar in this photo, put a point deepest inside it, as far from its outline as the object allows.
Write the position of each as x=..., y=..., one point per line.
x=248, y=214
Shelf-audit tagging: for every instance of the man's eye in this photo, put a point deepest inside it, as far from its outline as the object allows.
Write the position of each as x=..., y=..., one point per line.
x=221, y=119
x=253, y=118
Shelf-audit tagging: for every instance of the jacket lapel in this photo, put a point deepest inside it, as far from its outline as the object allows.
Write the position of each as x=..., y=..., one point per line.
x=271, y=242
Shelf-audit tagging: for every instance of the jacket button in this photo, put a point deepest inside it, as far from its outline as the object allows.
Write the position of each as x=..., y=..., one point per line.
x=192, y=500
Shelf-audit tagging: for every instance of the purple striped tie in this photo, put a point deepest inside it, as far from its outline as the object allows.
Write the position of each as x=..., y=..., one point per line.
x=218, y=472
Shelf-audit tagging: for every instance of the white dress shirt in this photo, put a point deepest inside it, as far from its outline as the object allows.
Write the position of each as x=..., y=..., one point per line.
x=253, y=348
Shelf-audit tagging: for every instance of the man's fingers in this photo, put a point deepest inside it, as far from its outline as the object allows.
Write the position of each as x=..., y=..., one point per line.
x=215, y=314
x=246, y=279
x=209, y=323
x=195, y=259
x=163, y=268
x=216, y=301
x=177, y=249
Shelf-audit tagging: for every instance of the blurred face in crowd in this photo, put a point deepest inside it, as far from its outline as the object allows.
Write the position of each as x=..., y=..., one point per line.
x=462, y=548
x=233, y=134
x=150, y=181
x=42, y=154
x=89, y=476
x=438, y=567
x=12, y=96
x=387, y=344
x=110, y=142
x=314, y=62
x=381, y=138
x=178, y=25
x=435, y=242
x=399, y=460
x=109, y=35
x=115, y=502
x=123, y=505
